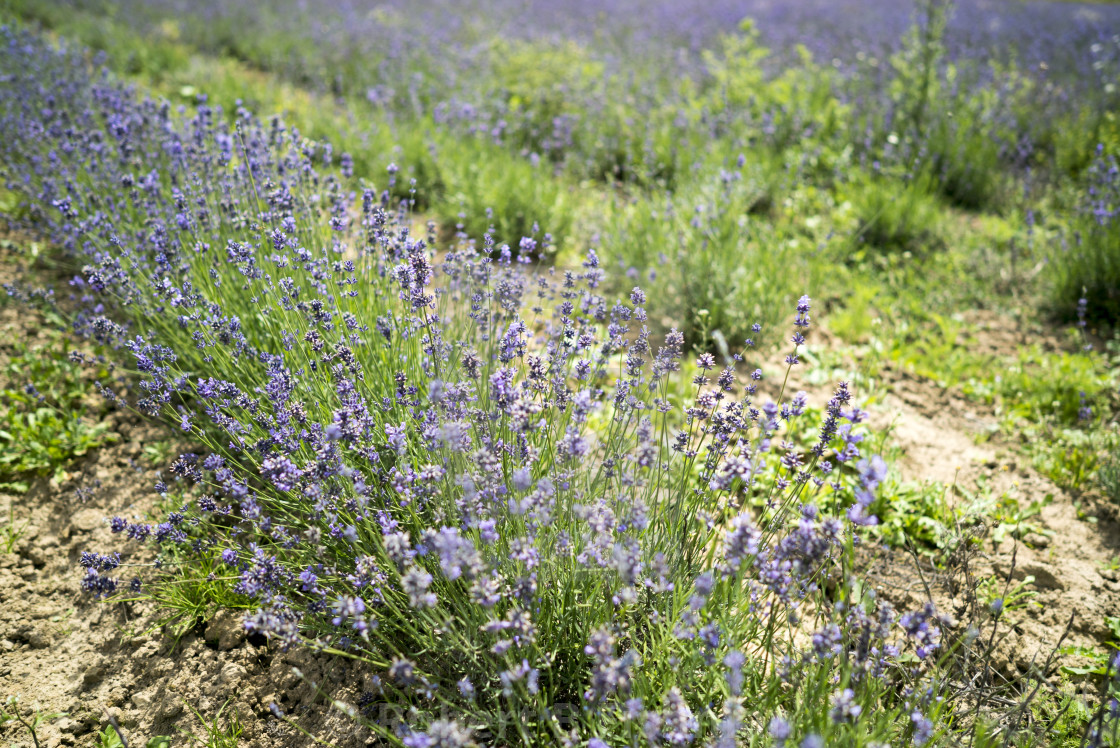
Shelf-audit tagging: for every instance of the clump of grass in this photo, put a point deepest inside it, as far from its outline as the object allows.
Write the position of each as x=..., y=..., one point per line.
x=965, y=162
x=1109, y=476
x=13, y=530
x=894, y=218
x=508, y=198
x=217, y=735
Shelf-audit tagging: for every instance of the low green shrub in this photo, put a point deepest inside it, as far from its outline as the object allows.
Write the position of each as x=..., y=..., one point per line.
x=49, y=411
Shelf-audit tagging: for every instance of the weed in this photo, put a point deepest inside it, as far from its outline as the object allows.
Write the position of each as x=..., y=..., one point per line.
x=10, y=712
x=1010, y=597
x=917, y=514
x=45, y=421
x=160, y=452
x=109, y=738
x=1072, y=458
x=1014, y=520
x=1101, y=663
x=217, y=736
x=12, y=532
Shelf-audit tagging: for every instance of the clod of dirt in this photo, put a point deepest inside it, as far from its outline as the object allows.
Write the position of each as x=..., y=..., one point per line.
x=226, y=630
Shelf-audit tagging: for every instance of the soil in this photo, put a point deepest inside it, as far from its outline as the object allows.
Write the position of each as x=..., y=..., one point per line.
x=946, y=438
x=63, y=651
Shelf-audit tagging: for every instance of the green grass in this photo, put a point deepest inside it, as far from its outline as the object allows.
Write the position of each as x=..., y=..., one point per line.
x=217, y=735
x=1038, y=385
x=895, y=218
x=50, y=412
x=1086, y=265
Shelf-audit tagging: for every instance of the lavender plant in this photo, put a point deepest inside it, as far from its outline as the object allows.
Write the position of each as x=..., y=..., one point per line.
x=1085, y=266
x=466, y=471
x=720, y=263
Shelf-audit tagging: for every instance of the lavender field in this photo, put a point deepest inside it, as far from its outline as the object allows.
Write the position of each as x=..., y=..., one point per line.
x=595, y=373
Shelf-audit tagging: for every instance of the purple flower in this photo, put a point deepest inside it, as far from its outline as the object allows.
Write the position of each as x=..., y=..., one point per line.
x=734, y=661
x=678, y=724
x=415, y=582
x=397, y=437
x=98, y=584
x=98, y=562
x=844, y=708
x=740, y=542
x=350, y=610
x=281, y=471
x=923, y=727
x=457, y=554
x=609, y=674
x=779, y=730
x=922, y=627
